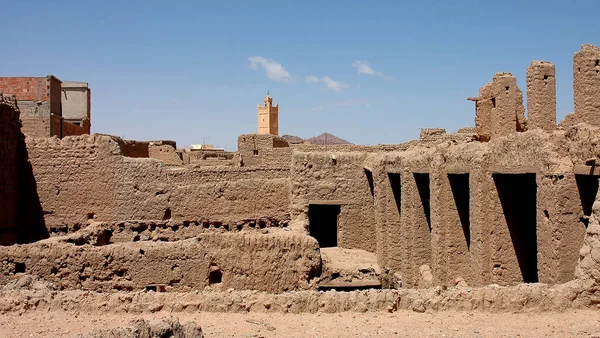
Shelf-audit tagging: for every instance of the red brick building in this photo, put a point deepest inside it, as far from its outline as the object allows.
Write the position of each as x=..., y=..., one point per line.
x=40, y=102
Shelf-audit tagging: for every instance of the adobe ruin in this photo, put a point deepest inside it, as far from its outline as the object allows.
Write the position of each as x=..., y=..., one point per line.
x=508, y=202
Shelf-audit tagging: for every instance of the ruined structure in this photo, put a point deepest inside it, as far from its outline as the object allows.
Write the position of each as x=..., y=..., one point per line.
x=541, y=96
x=268, y=117
x=499, y=108
x=510, y=201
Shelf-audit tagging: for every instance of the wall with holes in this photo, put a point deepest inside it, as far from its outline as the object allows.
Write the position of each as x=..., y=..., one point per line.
x=87, y=178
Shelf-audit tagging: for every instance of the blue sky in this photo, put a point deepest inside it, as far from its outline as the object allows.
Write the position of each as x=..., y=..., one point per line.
x=367, y=71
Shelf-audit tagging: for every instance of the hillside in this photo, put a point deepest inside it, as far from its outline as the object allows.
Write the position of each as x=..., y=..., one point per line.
x=326, y=138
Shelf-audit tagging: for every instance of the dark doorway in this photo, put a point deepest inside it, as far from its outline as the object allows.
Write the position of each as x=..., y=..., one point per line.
x=459, y=184
x=422, y=181
x=396, y=189
x=517, y=193
x=588, y=188
x=323, y=223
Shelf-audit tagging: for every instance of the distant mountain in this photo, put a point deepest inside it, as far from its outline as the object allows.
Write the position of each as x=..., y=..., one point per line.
x=326, y=138
x=293, y=139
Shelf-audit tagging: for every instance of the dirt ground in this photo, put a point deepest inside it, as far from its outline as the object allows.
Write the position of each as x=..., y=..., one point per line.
x=574, y=323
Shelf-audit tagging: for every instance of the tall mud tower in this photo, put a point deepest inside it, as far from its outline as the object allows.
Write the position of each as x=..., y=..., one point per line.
x=268, y=117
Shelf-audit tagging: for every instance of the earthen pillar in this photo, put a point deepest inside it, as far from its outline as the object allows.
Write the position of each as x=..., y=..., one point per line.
x=586, y=84
x=541, y=96
x=483, y=112
x=507, y=102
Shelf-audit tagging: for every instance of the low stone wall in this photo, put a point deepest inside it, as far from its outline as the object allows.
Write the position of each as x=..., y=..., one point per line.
x=267, y=262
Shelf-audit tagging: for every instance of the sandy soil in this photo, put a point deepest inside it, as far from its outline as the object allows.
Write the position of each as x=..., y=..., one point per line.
x=576, y=323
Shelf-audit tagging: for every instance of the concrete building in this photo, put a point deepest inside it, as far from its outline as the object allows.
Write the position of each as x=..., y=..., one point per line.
x=40, y=100
x=268, y=117
x=76, y=103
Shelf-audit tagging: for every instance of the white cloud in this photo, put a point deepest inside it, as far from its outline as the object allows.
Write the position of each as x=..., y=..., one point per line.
x=331, y=84
x=274, y=70
x=312, y=79
x=363, y=67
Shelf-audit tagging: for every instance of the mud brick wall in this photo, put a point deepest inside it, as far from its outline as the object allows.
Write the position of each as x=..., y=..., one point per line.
x=229, y=194
x=165, y=153
x=82, y=178
x=335, y=178
x=264, y=150
x=85, y=178
x=134, y=148
x=272, y=262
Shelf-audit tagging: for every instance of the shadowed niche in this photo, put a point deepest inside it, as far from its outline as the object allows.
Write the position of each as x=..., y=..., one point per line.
x=518, y=196
x=459, y=184
x=422, y=181
x=587, y=185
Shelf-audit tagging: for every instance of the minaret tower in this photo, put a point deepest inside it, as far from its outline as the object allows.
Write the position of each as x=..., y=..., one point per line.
x=268, y=117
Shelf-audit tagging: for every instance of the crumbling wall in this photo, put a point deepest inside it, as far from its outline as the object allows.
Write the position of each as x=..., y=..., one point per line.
x=541, y=96
x=586, y=84
x=336, y=179
x=211, y=157
x=10, y=136
x=83, y=178
x=164, y=150
x=263, y=150
x=431, y=134
x=131, y=148
x=165, y=153
x=344, y=148
x=499, y=108
x=508, y=112
x=269, y=262
x=483, y=112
